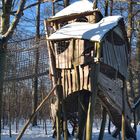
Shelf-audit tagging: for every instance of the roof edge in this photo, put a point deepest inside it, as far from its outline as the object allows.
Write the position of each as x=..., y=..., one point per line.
x=73, y=16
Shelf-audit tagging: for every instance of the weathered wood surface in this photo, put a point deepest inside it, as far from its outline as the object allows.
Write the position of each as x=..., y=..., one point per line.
x=115, y=55
x=75, y=52
x=112, y=89
x=115, y=115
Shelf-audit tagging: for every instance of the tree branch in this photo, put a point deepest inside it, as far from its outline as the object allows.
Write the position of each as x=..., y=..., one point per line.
x=34, y=4
x=136, y=13
x=15, y=22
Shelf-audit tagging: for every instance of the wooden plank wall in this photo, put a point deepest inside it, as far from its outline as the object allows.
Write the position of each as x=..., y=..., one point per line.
x=78, y=79
x=64, y=59
x=115, y=56
x=72, y=54
x=112, y=89
x=75, y=79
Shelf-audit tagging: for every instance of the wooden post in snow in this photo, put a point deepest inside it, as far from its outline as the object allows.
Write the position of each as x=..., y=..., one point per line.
x=123, y=109
x=65, y=128
x=94, y=71
x=102, y=129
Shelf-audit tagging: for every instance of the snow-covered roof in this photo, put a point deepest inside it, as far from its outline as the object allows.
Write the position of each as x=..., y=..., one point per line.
x=76, y=7
x=83, y=30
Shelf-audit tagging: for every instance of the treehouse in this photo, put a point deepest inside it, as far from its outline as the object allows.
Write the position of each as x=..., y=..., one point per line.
x=91, y=53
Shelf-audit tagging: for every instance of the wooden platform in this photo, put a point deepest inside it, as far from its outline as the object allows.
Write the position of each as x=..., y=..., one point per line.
x=110, y=95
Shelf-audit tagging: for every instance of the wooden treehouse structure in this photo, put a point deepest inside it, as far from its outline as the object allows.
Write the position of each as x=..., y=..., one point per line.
x=89, y=58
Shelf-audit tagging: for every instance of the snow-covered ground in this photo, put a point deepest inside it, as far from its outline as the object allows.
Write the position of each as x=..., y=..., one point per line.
x=38, y=133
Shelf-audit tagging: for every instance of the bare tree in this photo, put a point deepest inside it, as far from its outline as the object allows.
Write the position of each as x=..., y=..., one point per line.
x=35, y=80
x=7, y=31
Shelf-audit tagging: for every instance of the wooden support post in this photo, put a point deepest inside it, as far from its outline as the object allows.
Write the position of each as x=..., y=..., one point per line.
x=65, y=128
x=58, y=114
x=62, y=108
x=90, y=114
x=94, y=72
x=123, y=109
x=2, y=69
x=82, y=112
x=116, y=133
x=102, y=129
x=109, y=125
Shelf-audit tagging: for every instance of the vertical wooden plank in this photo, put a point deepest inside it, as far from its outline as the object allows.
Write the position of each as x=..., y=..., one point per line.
x=78, y=78
x=73, y=80
x=88, y=81
x=65, y=85
x=81, y=57
x=102, y=129
x=86, y=75
x=64, y=114
x=63, y=82
x=69, y=82
x=81, y=77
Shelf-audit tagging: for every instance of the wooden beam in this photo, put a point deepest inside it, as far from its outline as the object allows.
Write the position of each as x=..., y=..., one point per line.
x=82, y=112
x=94, y=72
x=91, y=108
x=102, y=129
x=34, y=113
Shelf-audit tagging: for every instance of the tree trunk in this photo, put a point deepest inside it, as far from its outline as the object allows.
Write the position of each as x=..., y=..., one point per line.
x=129, y=34
x=35, y=82
x=2, y=69
x=35, y=88
x=106, y=7
x=66, y=3
x=138, y=63
x=111, y=7
x=7, y=31
x=5, y=25
x=9, y=115
x=129, y=26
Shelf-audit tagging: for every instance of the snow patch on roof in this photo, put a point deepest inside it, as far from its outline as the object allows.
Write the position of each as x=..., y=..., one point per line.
x=83, y=30
x=76, y=7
